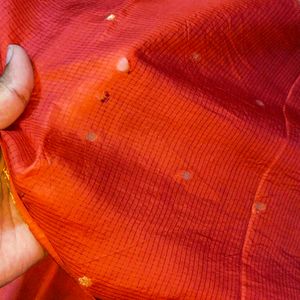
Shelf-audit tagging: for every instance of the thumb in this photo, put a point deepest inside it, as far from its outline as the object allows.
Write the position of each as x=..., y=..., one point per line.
x=16, y=84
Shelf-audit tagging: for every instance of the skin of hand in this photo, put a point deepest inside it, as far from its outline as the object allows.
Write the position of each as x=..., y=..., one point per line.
x=19, y=249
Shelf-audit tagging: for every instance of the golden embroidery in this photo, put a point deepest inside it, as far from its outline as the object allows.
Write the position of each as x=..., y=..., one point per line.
x=12, y=197
x=6, y=173
x=85, y=281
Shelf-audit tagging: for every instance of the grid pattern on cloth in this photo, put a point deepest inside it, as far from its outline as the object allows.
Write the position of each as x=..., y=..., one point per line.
x=159, y=153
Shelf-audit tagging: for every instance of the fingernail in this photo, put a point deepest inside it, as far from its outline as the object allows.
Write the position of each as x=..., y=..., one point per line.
x=10, y=52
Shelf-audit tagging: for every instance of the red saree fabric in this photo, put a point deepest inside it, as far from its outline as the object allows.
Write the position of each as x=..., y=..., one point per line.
x=179, y=177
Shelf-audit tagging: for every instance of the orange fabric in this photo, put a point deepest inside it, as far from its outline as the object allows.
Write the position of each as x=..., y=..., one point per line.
x=44, y=281
x=180, y=178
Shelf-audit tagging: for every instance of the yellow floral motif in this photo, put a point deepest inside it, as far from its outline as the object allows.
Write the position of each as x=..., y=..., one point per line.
x=85, y=281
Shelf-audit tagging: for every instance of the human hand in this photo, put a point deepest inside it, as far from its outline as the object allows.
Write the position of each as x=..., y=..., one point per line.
x=19, y=249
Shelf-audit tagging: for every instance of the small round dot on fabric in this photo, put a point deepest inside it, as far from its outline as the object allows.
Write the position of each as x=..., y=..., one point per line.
x=195, y=56
x=259, y=207
x=123, y=65
x=186, y=175
x=110, y=17
x=259, y=103
x=85, y=281
x=91, y=136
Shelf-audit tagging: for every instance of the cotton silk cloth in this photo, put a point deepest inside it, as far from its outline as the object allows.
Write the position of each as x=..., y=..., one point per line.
x=179, y=179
